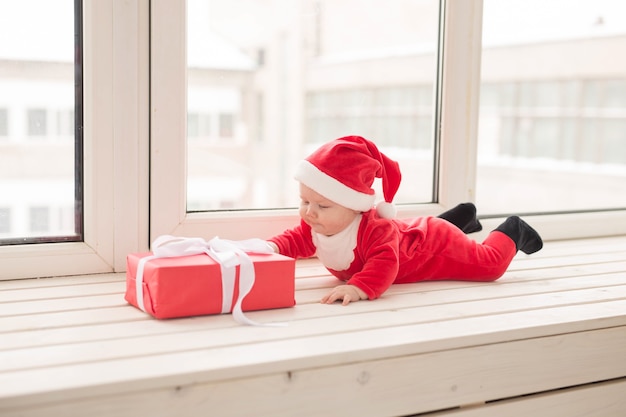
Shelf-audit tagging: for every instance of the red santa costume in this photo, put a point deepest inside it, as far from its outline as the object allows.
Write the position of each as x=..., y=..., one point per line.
x=377, y=250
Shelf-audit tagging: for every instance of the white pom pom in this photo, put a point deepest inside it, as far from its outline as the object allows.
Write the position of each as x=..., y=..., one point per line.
x=386, y=210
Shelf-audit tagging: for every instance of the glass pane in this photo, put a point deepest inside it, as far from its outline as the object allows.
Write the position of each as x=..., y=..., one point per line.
x=552, y=125
x=270, y=81
x=39, y=201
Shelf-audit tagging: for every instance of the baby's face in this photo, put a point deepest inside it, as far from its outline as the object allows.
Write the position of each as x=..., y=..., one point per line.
x=324, y=216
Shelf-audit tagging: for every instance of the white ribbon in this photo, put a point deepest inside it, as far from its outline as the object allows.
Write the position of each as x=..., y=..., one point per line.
x=227, y=253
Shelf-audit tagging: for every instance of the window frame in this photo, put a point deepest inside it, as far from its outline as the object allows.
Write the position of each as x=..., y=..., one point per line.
x=460, y=60
x=115, y=183
x=134, y=156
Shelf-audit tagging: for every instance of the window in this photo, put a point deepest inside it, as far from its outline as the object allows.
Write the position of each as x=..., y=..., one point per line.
x=135, y=181
x=40, y=74
x=293, y=76
x=39, y=219
x=4, y=122
x=552, y=136
x=37, y=122
x=227, y=125
x=5, y=220
x=193, y=125
x=65, y=125
x=73, y=186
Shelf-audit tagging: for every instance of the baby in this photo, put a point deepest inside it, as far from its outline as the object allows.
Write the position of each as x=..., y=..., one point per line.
x=368, y=248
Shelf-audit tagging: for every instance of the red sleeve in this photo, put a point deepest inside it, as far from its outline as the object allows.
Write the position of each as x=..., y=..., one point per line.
x=296, y=242
x=378, y=247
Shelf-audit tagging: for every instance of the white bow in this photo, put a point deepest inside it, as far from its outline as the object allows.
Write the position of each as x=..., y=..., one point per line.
x=227, y=253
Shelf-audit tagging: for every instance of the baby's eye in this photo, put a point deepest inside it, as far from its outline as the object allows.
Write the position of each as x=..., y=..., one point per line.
x=323, y=206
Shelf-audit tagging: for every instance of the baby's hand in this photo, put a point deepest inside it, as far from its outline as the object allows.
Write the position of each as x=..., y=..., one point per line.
x=346, y=293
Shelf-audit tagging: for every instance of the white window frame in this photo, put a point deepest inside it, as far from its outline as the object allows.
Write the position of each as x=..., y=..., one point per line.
x=135, y=144
x=115, y=73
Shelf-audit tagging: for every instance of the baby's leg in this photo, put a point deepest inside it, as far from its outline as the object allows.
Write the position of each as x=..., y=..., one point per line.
x=452, y=255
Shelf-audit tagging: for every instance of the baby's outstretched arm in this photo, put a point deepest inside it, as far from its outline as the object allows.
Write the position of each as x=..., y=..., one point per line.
x=345, y=293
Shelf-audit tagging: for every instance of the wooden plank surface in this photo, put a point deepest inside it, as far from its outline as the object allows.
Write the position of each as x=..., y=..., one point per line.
x=605, y=399
x=73, y=340
x=423, y=382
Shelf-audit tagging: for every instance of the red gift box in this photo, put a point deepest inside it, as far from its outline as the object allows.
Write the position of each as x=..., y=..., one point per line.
x=192, y=285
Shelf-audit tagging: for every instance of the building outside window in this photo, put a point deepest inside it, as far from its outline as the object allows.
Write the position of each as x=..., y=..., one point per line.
x=38, y=156
x=317, y=82
x=552, y=120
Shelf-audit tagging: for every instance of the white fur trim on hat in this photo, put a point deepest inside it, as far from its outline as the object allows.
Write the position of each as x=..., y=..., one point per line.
x=334, y=190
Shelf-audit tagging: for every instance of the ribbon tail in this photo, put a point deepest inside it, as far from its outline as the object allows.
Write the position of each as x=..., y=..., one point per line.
x=246, y=282
x=228, y=287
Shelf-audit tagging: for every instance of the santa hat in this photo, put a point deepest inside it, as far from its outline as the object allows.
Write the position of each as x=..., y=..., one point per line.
x=343, y=171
